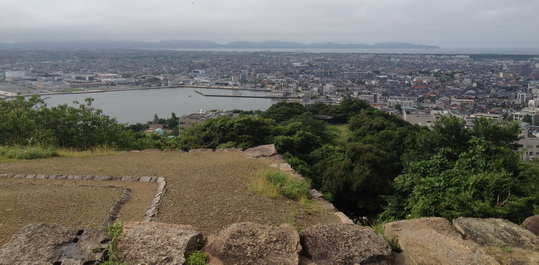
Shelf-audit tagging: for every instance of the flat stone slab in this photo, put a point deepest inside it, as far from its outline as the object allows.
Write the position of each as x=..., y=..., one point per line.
x=434, y=240
x=344, y=244
x=251, y=243
x=496, y=232
x=261, y=151
x=54, y=244
x=156, y=243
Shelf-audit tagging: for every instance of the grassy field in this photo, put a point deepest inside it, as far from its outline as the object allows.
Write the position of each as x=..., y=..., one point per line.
x=209, y=190
x=344, y=133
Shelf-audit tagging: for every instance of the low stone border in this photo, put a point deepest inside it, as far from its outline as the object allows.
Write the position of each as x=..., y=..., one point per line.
x=115, y=210
x=152, y=210
x=267, y=152
x=113, y=213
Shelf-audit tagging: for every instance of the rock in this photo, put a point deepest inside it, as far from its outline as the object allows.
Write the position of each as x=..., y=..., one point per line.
x=200, y=150
x=145, y=179
x=344, y=218
x=496, y=233
x=103, y=178
x=434, y=240
x=344, y=244
x=532, y=224
x=54, y=244
x=228, y=150
x=261, y=151
x=250, y=243
x=154, y=150
x=156, y=243
x=283, y=167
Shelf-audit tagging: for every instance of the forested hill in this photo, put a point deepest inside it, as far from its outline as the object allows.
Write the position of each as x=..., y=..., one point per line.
x=367, y=162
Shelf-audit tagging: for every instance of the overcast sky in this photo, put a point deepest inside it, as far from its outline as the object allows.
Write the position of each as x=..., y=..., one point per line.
x=446, y=23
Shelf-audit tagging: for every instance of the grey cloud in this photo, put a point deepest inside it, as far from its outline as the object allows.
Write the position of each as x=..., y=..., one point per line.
x=439, y=22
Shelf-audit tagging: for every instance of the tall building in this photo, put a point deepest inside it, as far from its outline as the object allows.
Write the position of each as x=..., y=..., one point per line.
x=520, y=69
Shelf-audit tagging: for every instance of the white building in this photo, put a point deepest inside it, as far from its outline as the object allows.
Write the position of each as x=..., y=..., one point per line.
x=402, y=101
x=372, y=98
x=14, y=75
x=421, y=119
x=494, y=117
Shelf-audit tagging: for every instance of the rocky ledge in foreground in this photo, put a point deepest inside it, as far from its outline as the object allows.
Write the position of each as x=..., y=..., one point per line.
x=54, y=244
x=423, y=241
x=467, y=241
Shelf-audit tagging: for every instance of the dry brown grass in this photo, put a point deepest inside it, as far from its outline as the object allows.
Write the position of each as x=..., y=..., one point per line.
x=207, y=190
x=66, y=202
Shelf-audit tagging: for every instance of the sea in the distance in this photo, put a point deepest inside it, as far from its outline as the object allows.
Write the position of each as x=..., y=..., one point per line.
x=442, y=50
x=132, y=106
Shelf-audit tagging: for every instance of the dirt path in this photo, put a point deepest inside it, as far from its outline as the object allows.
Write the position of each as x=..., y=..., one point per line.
x=208, y=190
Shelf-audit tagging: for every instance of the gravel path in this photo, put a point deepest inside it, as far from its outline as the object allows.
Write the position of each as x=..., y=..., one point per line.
x=208, y=190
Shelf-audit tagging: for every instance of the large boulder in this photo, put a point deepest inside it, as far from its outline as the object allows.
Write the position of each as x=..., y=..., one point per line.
x=434, y=240
x=250, y=243
x=344, y=244
x=532, y=224
x=507, y=242
x=496, y=233
x=261, y=151
x=54, y=244
x=156, y=243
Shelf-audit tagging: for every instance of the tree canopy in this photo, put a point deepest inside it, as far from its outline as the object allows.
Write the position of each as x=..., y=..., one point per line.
x=28, y=121
x=383, y=165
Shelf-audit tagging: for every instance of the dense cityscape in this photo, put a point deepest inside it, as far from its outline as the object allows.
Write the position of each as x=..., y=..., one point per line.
x=465, y=84
x=420, y=87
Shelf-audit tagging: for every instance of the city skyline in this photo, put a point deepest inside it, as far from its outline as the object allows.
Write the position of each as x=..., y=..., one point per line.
x=460, y=23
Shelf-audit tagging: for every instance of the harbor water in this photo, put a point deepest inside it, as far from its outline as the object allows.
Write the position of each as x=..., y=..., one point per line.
x=132, y=106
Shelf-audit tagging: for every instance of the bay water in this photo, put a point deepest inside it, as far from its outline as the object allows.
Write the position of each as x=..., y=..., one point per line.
x=132, y=106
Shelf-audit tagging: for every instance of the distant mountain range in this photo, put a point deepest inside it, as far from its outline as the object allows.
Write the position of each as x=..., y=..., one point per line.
x=202, y=44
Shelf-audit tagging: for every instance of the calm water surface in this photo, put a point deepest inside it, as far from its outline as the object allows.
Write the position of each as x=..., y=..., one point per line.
x=140, y=105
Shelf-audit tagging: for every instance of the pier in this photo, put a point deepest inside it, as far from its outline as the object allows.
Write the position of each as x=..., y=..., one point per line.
x=243, y=96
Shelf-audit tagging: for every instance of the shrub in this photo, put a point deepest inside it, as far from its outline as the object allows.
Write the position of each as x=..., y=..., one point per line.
x=97, y=151
x=273, y=183
x=114, y=230
x=198, y=257
x=17, y=152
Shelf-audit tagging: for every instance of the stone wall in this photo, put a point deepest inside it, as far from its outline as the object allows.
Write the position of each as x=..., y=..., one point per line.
x=150, y=212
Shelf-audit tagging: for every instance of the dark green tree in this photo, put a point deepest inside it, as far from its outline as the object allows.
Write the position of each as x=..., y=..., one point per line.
x=501, y=134
x=348, y=108
x=29, y=122
x=284, y=111
x=449, y=133
x=356, y=181
x=172, y=122
x=242, y=132
x=81, y=127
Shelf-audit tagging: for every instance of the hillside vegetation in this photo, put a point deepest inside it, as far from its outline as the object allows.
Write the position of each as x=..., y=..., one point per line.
x=369, y=163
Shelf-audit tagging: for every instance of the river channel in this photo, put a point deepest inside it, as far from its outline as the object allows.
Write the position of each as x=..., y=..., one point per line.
x=132, y=106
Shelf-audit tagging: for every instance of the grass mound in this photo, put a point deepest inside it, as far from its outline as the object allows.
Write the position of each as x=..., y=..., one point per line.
x=273, y=184
x=37, y=152
x=16, y=152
